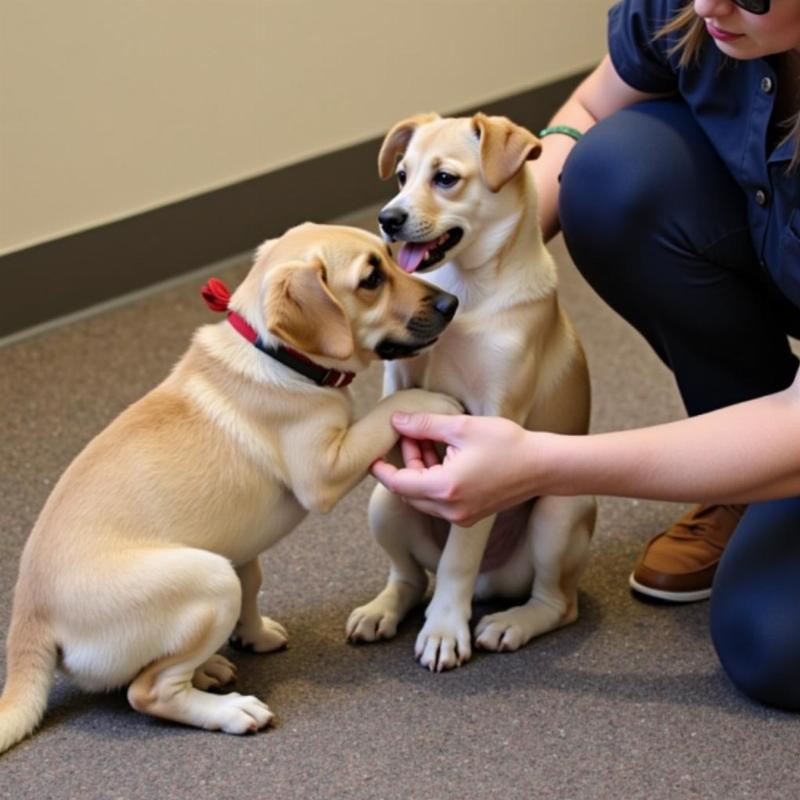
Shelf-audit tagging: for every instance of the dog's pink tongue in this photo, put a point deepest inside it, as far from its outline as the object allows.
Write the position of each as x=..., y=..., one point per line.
x=411, y=255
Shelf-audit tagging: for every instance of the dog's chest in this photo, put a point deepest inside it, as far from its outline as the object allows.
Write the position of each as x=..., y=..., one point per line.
x=467, y=363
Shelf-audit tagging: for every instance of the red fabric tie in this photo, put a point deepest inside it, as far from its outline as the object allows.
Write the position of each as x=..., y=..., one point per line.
x=218, y=298
x=216, y=295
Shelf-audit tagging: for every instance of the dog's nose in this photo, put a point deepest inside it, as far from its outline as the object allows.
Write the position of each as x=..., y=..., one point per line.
x=392, y=219
x=446, y=304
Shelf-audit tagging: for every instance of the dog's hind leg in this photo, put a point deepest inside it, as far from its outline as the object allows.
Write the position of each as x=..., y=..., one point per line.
x=399, y=530
x=191, y=608
x=254, y=632
x=559, y=533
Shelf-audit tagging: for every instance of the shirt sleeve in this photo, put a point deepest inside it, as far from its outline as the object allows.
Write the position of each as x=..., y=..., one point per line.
x=640, y=59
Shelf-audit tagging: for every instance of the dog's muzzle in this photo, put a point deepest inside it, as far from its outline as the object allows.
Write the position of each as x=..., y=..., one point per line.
x=425, y=328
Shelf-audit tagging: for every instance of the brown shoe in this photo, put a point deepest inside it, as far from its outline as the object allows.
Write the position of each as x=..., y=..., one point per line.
x=679, y=564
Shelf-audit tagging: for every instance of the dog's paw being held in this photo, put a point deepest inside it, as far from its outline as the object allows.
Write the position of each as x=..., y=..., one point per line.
x=420, y=400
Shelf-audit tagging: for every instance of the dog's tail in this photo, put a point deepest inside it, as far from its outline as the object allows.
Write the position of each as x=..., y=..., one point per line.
x=30, y=669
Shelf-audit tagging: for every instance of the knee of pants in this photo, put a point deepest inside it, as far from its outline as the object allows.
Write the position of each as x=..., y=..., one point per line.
x=596, y=206
x=630, y=189
x=754, y=657
x=754, y=605
x=600, y=211
x=608, y=182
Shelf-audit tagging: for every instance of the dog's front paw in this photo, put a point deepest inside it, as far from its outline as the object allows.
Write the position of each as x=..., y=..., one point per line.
x=509, y=630
x=266, y=638
x=372, y=622
x=239, y=714
x=500, y=633
x=444, y=404
x=421, y=400
x=444, y=641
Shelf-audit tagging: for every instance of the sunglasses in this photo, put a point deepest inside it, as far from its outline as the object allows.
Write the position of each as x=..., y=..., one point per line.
x=753, y=6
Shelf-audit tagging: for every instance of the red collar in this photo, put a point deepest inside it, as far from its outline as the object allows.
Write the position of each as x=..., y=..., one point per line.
x=217, y=297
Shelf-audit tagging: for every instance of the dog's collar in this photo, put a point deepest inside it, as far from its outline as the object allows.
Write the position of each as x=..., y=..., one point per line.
x=217, y=297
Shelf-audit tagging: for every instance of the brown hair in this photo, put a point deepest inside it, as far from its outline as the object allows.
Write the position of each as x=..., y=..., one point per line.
x=692, y=35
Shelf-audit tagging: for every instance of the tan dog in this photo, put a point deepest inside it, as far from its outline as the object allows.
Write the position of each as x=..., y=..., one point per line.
x=467, y=205
x=144, y=559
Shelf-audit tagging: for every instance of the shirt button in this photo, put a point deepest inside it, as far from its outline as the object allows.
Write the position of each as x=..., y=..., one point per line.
x=761, y=197
x=767, y=85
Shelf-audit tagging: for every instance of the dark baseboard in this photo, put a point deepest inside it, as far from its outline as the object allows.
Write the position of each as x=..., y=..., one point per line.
x=66, y=275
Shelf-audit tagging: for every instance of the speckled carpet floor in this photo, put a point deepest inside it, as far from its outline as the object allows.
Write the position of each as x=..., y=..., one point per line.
x=629, y=702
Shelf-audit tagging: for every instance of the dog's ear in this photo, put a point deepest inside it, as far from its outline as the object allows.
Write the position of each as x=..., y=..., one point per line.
x=505, y=147
x=301, y=310
x=397, y=140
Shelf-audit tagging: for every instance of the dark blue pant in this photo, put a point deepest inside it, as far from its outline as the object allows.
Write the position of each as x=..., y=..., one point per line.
x=656, y=224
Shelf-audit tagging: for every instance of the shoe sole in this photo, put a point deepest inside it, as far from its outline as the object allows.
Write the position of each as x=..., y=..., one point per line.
x=671, y=597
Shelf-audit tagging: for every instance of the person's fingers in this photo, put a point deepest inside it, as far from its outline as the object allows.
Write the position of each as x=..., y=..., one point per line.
x=403, y=483
x=428, y=484
x=409, y=483
x=418, y=453
x=430, y=456
x=412, y=452
x=383, y=471
x=429, y=507
x=435, y=427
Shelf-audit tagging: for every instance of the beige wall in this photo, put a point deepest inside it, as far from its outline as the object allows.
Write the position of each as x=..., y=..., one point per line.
x=113, y=107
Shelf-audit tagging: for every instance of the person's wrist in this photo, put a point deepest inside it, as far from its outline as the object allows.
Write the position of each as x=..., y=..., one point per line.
x=538, y=468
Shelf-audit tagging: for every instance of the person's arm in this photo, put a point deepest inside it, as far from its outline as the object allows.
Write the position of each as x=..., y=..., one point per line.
x=743, y=453
x=599, y=95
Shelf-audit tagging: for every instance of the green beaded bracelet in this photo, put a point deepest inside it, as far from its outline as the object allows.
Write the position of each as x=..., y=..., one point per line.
x=574, y=133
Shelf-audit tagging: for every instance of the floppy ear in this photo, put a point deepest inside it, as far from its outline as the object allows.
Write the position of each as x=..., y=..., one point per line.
x=505, y=147
x=397, y=140
x=301, y=310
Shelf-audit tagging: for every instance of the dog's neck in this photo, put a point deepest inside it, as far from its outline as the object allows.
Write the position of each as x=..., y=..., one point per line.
x=289, y=357
x=506, y=251
x=227, y=346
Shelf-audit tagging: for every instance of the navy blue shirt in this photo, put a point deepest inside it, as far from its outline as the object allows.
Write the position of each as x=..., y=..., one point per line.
x=732, y=101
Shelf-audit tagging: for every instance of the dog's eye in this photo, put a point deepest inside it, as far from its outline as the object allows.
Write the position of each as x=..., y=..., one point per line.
x=445, y=179
x=401, y=177
x=373, y=280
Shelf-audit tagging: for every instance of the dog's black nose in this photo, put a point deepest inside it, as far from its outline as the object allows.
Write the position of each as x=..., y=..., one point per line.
x=392, y=219
x=446, y=304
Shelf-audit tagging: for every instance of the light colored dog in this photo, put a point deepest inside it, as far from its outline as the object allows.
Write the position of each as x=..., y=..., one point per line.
x=144, y=559
x=467, y=206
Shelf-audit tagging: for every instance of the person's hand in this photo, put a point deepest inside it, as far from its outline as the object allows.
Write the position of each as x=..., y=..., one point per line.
x=487, y=465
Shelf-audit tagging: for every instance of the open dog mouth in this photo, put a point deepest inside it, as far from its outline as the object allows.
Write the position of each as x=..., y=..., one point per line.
x=419, y=256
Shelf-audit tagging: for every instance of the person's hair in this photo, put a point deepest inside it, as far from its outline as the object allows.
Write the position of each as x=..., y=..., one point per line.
x=691, y=30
